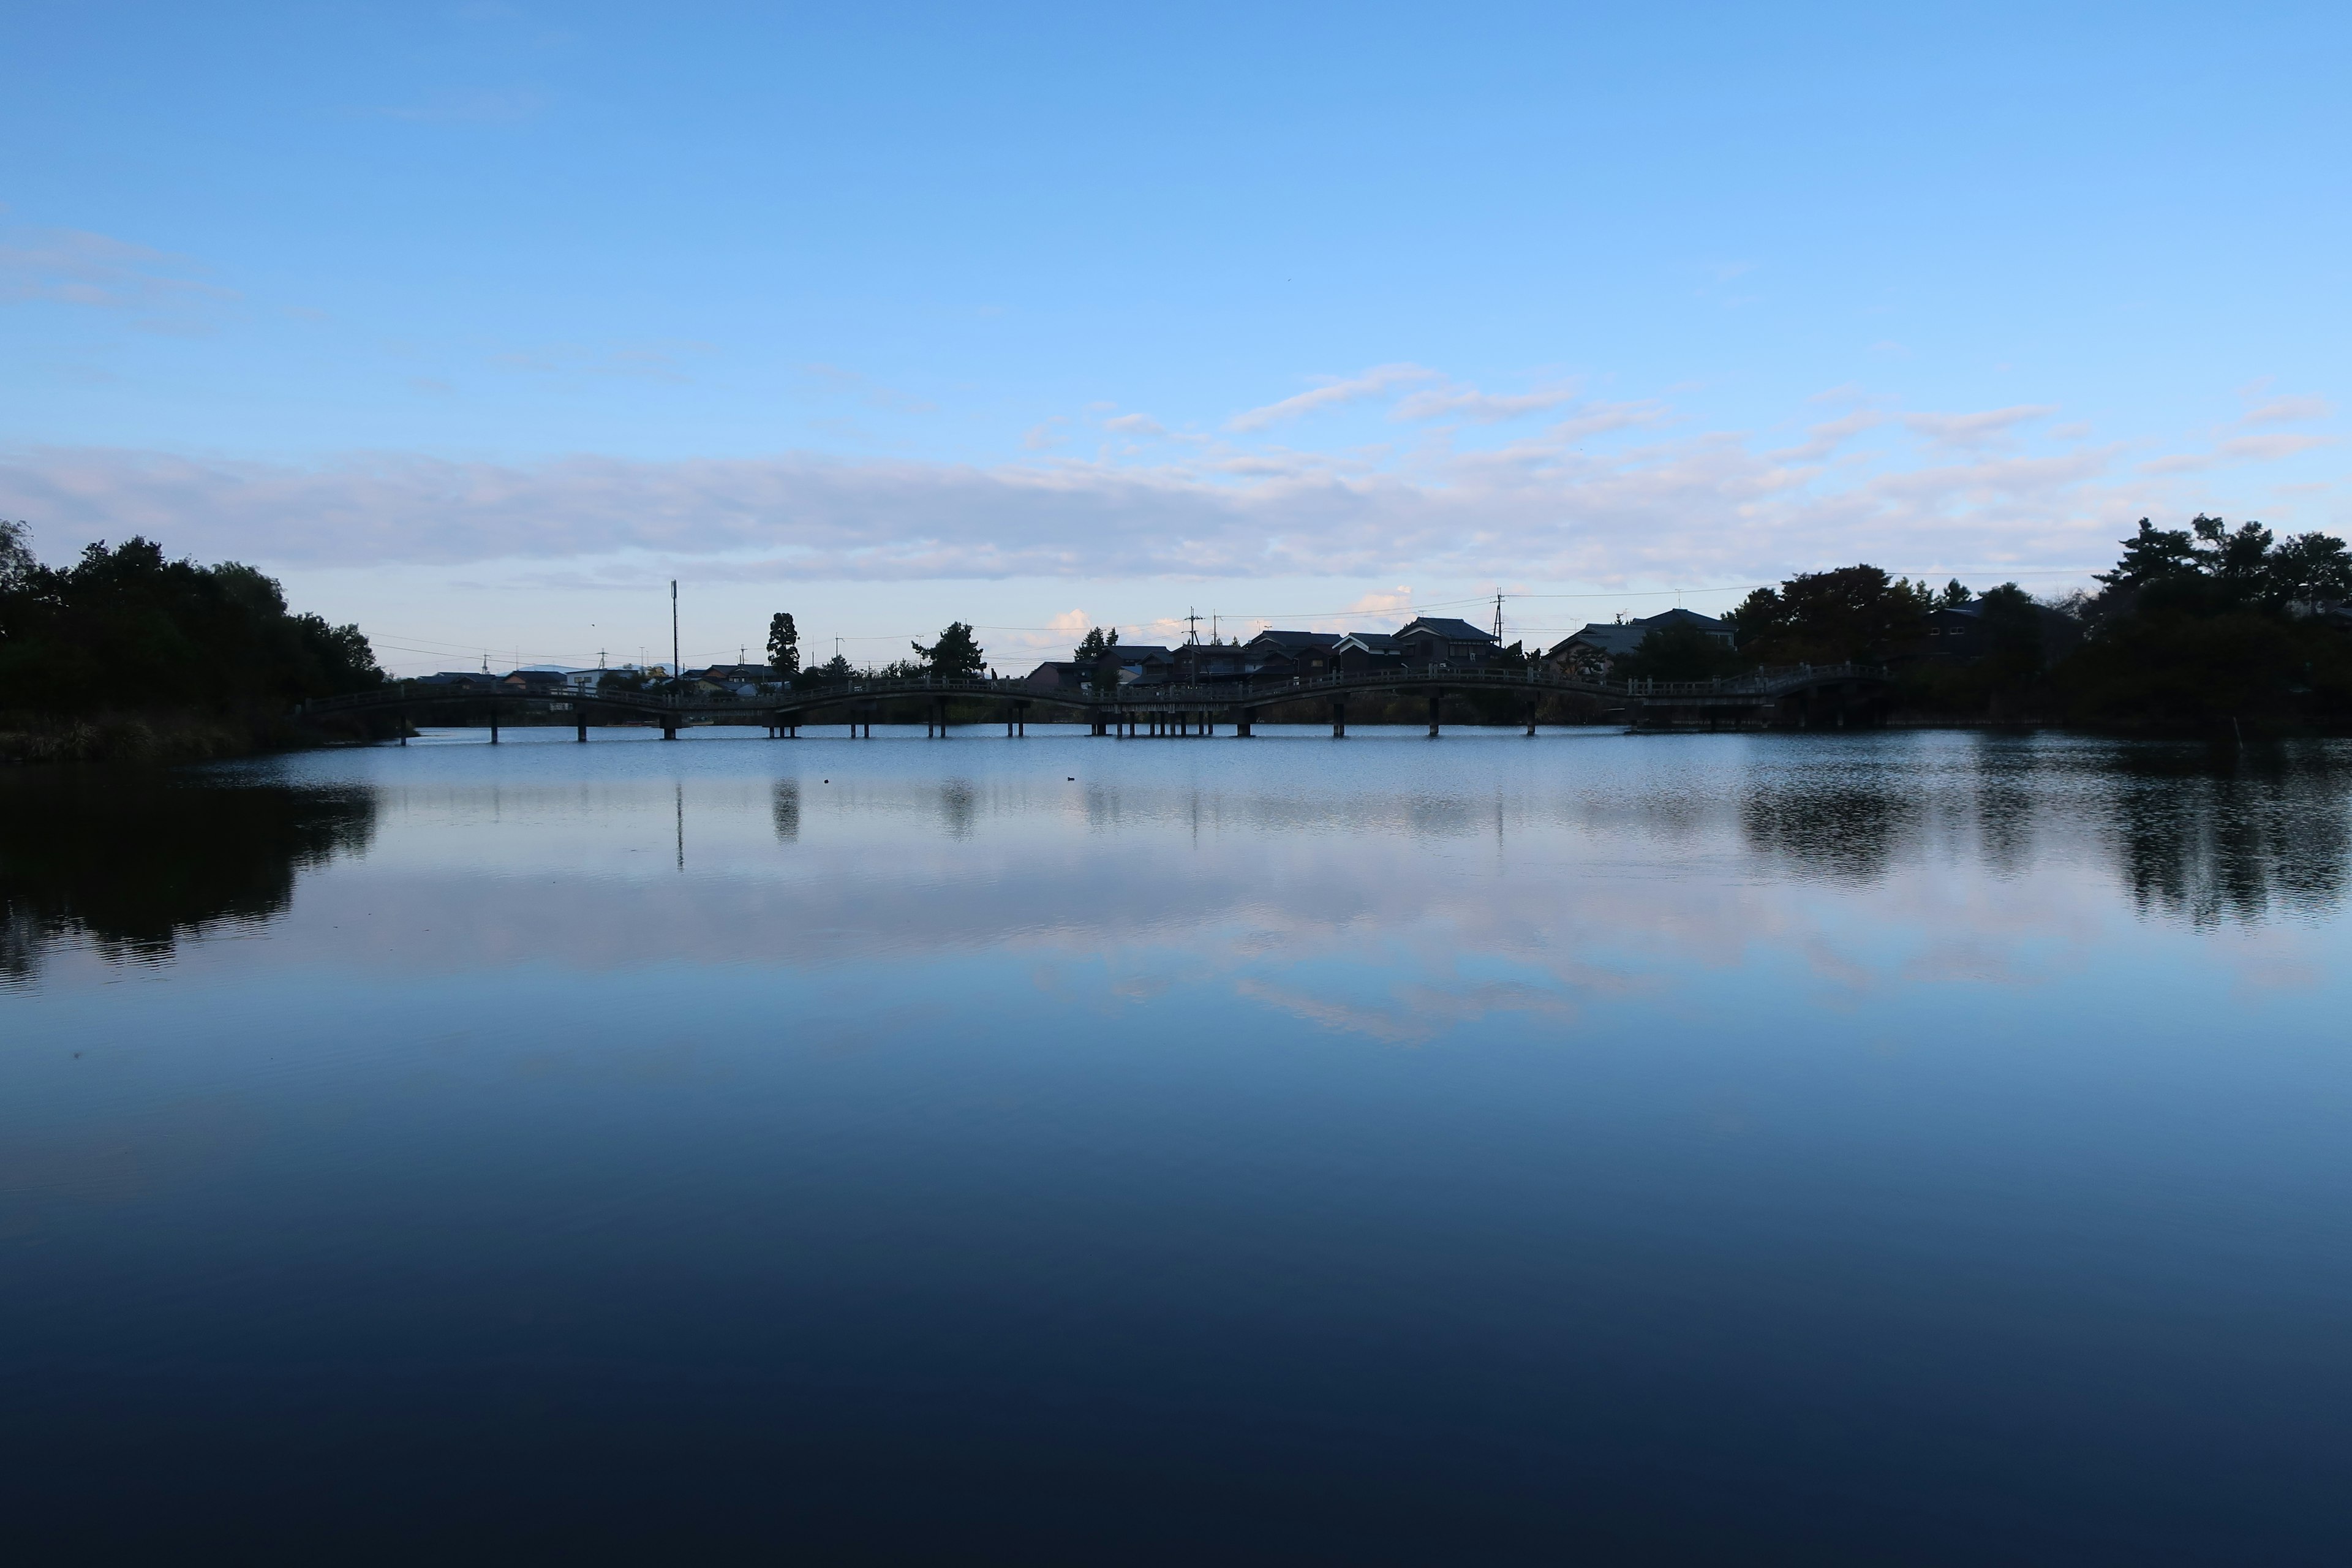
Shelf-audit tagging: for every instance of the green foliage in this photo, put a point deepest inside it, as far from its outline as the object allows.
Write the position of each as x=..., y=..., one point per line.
x=1678, y=653
x=2172, y=670
x=956, y=656
x=128, y=629
x=16, y=563
x=1855, y=613
x=783, y=644
x=2211, y=569
x=1098, y=641
x=2018, y=640
x=2198, y=627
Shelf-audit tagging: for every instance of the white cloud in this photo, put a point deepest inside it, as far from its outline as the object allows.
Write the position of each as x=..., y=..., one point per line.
x=1826, y=438
x=2288, y=411
x=1374, y=383
x=2239, y=449
x=1136, y=424
x=1977, y=429
x=1459, y=401
x=75, y=267
x=1683, y=508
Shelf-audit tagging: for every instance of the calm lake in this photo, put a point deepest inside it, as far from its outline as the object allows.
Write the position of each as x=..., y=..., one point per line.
x=1919, y=1148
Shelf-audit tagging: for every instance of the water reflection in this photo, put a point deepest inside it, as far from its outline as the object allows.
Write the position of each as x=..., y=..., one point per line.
x=1494, y=1133
x=2214, y=839
x=134, y=864
x=784, y=810
x=1843, y=831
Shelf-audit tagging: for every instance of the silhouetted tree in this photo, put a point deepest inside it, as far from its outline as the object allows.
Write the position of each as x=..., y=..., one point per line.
x=956, y=656
x=1678, y=653
x=1829, y=617
x=2201, y=625
x=783, y=644
x=127, y=628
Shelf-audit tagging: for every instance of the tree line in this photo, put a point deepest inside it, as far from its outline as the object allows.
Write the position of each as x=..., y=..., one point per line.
x=2193, y=626
x=956, y=656
x=126, y=627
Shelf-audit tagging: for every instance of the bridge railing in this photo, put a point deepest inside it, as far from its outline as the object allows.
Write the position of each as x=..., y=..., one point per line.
x=1773, y=681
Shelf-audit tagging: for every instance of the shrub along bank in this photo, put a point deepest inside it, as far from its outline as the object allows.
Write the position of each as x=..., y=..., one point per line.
x=127, y=654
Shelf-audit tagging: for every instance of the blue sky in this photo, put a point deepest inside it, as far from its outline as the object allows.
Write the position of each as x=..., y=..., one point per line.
x=479, y=322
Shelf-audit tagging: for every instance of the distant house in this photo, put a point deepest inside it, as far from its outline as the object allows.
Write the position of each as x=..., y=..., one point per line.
x=1957, y=634
x=1365, y=653
x=1141, y=664
x=1060, y=674
x=737, y=674
x=741, y=680
x=539, y=680
x=1209, y=664
x=1283, y=655
x=1441, y=640
x=1601, y=644
x=461, y=680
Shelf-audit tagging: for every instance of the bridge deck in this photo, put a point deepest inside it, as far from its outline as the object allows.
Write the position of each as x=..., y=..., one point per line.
x=1762, y=689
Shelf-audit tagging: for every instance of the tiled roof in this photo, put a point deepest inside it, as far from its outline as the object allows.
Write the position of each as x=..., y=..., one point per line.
x=1448, y=627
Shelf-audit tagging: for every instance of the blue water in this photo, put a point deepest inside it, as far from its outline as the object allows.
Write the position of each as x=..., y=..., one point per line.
x=1889, y=1148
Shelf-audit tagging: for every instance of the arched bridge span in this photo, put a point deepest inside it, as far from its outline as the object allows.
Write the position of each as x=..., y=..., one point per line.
x=1801, y=696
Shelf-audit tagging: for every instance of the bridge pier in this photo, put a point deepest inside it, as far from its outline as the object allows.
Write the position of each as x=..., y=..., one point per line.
x=1531, y=717
x=583, y=729
x=1435, y=698
x=1338, y=718
x=669, y=728
x=494, y=724
x=1241, y=725
x=400, y=717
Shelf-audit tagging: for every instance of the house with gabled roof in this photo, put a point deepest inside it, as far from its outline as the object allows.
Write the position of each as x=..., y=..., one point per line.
x=1600, y=644
x=1362, y=653
x=1280, y=655
x=1444, y=641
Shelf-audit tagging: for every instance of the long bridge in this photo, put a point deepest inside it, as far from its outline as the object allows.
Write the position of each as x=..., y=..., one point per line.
x=1797, y=696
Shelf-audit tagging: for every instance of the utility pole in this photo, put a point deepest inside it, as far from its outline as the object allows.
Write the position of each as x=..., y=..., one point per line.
x=1499, y=620
x=1192, y=629
x=673, y=630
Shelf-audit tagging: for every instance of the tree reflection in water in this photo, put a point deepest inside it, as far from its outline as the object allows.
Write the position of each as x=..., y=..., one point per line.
x=134, y=863
x=2213, y=835
x=2201, y=834
x=1846, y=831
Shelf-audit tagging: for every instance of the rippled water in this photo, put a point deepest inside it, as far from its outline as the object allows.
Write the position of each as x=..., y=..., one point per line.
x=1919, y=1148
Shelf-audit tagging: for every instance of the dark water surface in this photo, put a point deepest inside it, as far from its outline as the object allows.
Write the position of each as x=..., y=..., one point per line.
x=1905, y=1149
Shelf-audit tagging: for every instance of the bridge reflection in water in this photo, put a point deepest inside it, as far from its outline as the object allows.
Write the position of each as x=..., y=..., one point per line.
x=1797, y=697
